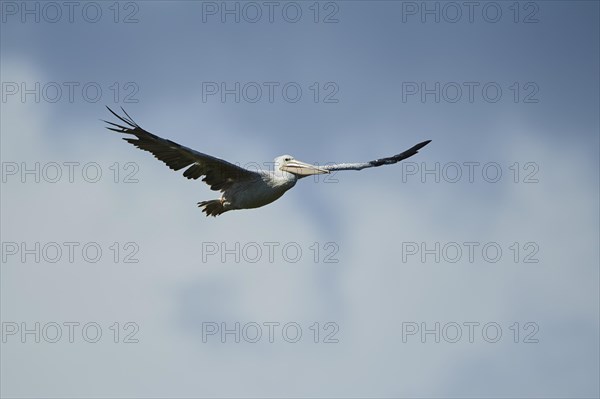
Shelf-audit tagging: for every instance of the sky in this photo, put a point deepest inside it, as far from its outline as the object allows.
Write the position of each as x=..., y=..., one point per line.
x=469, y=270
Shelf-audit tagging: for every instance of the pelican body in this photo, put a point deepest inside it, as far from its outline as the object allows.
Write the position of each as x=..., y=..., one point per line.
x=263, y=188
x=241, y=188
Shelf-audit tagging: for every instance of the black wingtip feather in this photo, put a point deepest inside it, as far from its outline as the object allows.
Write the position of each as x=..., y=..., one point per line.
x=114, y=124
x=415, y=149
x=112, y=112
x=131, y=121
x=399, y=157
x=421, y=145
x=128, y=120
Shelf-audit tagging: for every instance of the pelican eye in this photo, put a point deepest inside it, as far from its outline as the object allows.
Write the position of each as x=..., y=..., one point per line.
x=287, y=159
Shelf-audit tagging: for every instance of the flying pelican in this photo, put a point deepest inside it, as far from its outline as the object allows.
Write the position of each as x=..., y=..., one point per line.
x=241, y=188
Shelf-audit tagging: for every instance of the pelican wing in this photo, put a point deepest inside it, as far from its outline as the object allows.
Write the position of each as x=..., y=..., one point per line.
x=218, y=174
x=377, y=162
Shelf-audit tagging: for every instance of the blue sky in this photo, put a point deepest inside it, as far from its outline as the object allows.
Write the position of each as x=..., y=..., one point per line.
x=356, y=77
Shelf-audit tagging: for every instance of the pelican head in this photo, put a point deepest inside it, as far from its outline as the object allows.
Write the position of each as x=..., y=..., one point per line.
x=287, y=163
